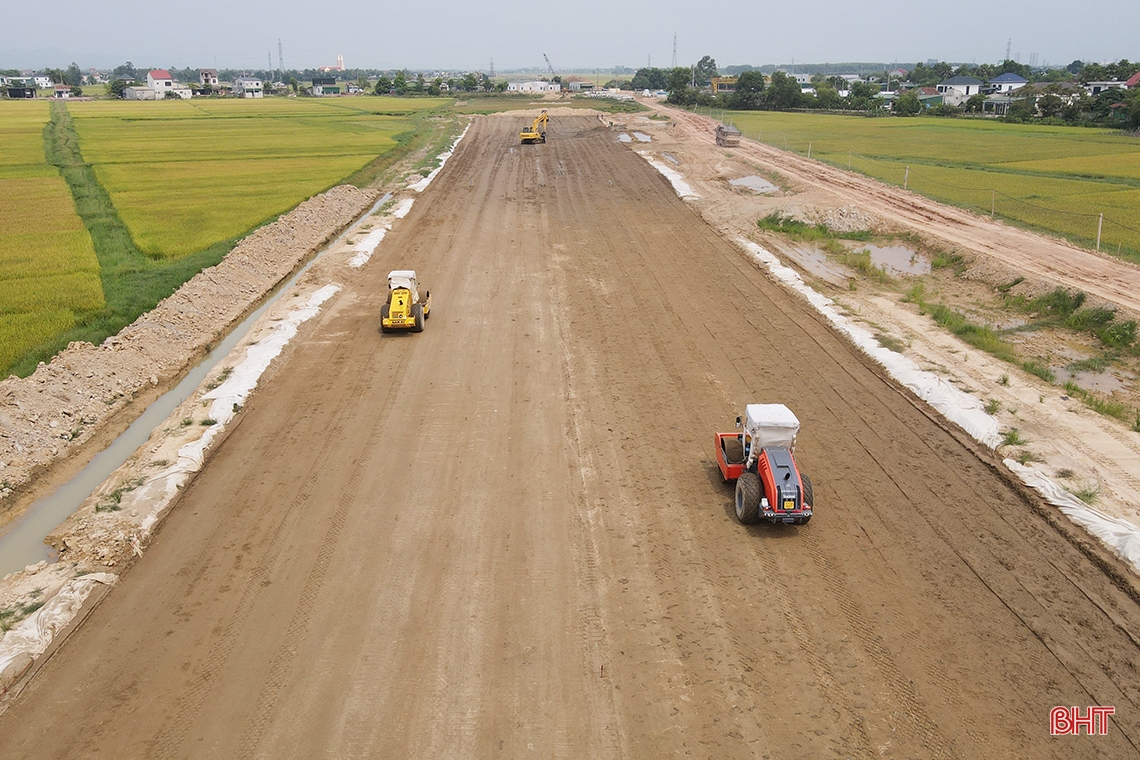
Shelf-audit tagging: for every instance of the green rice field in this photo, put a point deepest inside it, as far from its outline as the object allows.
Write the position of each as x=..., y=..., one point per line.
x=184, y=175
x=48, y=268
x=111, y=205
x=1054, y=179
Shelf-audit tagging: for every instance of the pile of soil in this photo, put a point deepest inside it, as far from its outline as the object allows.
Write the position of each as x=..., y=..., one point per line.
x=51, y=414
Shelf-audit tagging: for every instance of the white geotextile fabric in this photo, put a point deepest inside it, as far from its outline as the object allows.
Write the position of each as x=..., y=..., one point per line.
x=401, y=209
x=1121, y=536
x=369, y=243
x=156, y=494
x=363, y=250
x=966, y=411
x=955, y=405
x=29, y=638
x=680, y=186
x=771, y=426
x=420, y=186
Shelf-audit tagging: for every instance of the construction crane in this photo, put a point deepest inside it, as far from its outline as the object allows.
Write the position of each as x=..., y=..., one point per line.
x=552, y=75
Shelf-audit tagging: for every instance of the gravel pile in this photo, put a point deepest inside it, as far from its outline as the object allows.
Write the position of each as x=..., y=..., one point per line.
x=48, y=415
x=846, y=219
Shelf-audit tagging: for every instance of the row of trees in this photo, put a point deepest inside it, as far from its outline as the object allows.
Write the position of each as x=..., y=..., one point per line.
x=1077, y=72
x=754, y=91
x=402, y=83
x=1050, y=100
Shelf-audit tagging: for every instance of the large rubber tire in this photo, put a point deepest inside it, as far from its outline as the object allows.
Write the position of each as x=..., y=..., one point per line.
x=427, y=299
x=418, y=315
x=748, y=491
x=809, y=492
x=383, y=316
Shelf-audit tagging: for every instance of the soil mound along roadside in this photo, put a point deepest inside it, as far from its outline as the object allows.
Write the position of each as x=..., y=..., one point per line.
x=50, y=415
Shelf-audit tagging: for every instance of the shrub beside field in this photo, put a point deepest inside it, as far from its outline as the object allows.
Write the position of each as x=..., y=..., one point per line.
x=48, y=269
x=1056, y=179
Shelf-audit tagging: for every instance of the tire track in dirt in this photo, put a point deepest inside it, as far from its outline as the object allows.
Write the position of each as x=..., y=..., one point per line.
x=169, y=743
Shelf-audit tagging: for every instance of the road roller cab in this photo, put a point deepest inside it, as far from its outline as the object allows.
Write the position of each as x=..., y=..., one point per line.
x=404, y=309
x=761, y=459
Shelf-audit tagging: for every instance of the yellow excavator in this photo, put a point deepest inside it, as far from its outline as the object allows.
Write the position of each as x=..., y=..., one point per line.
x=535, y=133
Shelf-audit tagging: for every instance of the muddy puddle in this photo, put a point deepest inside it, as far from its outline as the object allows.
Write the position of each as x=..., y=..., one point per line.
x=754, y=183
x=896, y=259
x=815, y=263
x=1101, y=382
x=625, y=137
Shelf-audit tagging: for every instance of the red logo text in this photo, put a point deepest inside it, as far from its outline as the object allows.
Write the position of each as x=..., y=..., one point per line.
x=1068, y=721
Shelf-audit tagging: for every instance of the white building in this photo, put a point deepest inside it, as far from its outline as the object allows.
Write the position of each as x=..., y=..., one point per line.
x=164, y=86
x=248, y=87
x=1007, y=83
x=533, y=87
x=208, y=77
x=43, y=81
x=139, y=93
x=160, y=81
x=957, y=90
x=1094, y=88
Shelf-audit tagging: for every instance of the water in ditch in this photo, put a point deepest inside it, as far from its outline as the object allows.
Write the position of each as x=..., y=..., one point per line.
x=22, y=539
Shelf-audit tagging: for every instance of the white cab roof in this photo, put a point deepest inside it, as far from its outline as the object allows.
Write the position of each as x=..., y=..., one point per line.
x=402, y=278
x=771, y=425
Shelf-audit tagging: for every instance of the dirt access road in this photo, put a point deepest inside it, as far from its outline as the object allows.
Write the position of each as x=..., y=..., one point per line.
x=1026, y=253
x=506, y=536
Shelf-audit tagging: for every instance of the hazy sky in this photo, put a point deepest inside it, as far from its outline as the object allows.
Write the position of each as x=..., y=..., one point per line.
x=581, y=34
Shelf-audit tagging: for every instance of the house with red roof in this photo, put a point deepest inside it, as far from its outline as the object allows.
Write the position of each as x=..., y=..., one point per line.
x=1133, y=82
x=159, y=80
x=164, y=85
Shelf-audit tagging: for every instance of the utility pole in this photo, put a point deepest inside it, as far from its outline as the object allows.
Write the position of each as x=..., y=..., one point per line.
x=492, y=68
x=280, y=58
x=1008, y=45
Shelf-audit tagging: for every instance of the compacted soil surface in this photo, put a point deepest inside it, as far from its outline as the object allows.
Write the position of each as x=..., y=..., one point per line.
x=507, y=535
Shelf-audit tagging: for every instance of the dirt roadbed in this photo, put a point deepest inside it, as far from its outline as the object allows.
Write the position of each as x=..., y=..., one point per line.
x=507, y=534
x=1059, y=437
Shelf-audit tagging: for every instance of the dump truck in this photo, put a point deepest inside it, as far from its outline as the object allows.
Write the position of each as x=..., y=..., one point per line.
x=761, y=459
x=536, y=132
x=404, y=309
x=727, y=136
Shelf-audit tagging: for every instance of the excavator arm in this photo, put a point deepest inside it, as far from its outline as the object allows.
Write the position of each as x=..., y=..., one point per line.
x=536, y=132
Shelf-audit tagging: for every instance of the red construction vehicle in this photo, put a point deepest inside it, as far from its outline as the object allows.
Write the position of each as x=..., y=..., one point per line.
x=761, y=459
